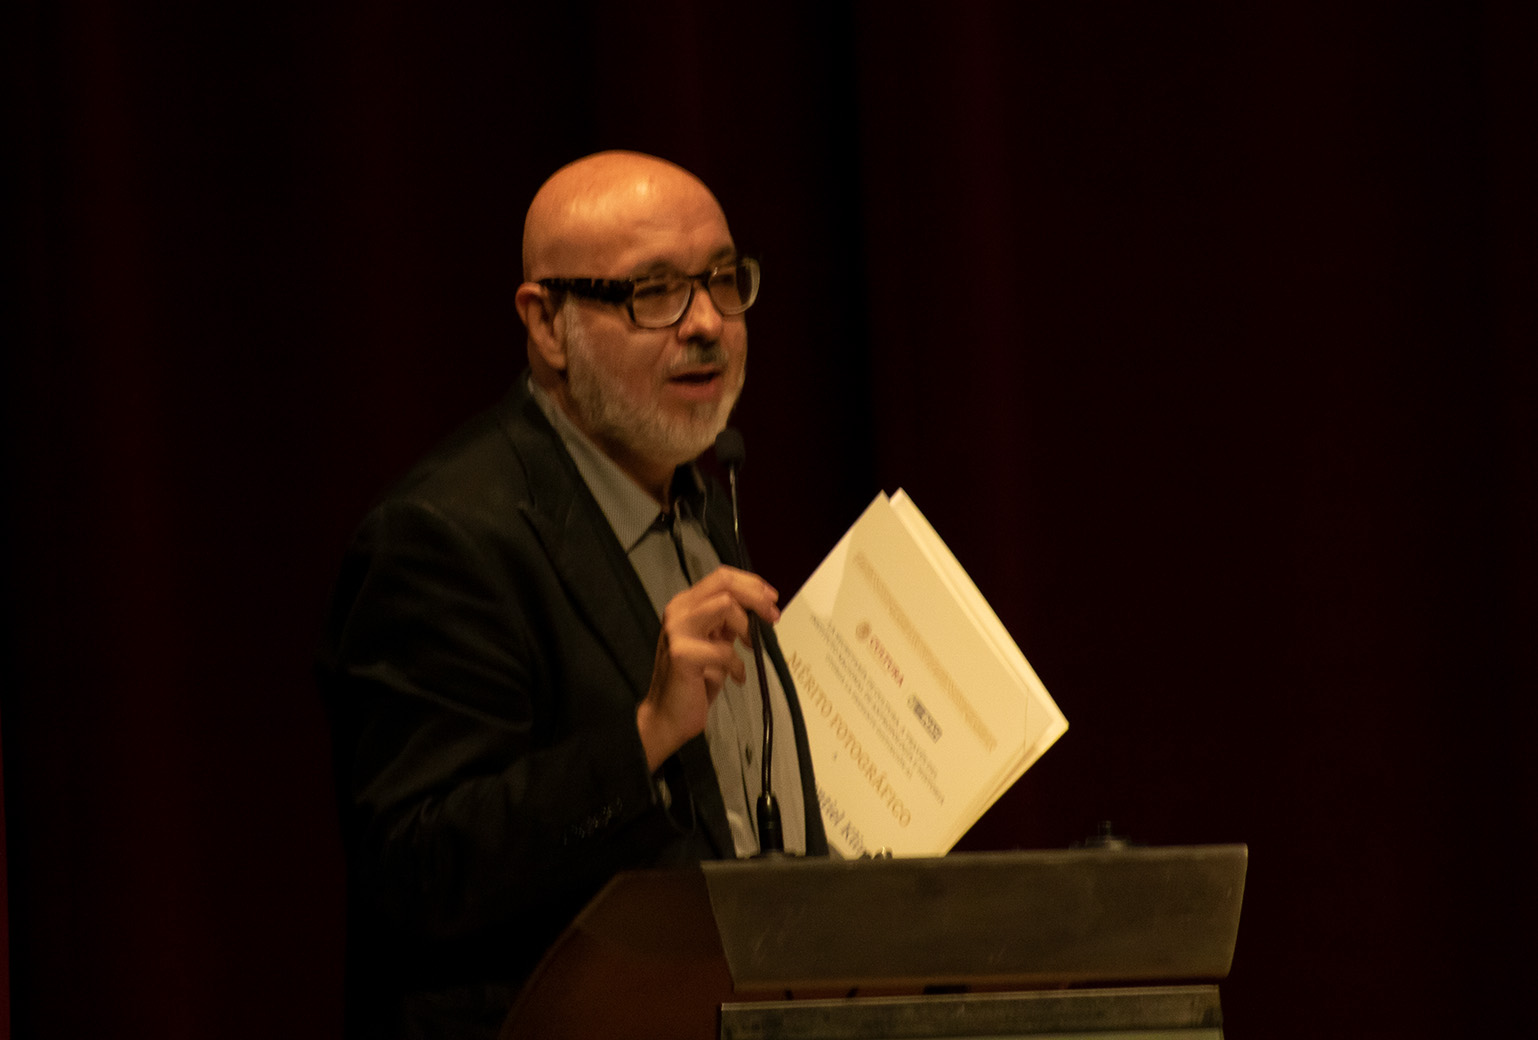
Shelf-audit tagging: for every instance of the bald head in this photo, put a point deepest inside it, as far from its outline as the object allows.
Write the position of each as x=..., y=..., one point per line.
x=650, y=398
x=594, y=212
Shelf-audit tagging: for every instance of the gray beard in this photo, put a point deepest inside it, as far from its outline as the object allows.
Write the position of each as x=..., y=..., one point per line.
x=601, y=405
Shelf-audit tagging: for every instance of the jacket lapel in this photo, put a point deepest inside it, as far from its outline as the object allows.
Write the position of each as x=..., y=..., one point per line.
x=601, y=583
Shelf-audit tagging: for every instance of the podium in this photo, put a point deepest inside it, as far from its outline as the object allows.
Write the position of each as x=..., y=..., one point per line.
x=1114, y=942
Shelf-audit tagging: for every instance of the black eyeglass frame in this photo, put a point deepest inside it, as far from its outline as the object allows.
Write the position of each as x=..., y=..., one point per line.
x=622, y=290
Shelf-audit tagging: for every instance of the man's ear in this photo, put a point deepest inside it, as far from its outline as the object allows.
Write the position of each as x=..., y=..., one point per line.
x=541, y=317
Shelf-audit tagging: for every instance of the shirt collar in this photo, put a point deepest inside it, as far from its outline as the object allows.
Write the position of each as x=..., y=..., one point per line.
x=630, y=510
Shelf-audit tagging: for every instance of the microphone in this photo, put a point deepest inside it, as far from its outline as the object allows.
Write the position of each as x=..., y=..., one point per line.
x=730, y=453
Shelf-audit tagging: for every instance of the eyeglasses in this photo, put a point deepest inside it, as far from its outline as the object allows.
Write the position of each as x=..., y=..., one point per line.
x=656, y=303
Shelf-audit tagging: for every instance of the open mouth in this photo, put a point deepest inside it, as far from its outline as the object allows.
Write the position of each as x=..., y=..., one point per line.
x=696, y=377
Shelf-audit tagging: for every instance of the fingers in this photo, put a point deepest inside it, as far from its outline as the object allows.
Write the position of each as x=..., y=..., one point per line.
x=697, y=654
x=715, y=660
x=747, y=590
x=717, y=608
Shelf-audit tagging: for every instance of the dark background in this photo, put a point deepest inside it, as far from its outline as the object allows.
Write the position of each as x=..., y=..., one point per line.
x=1203, y=333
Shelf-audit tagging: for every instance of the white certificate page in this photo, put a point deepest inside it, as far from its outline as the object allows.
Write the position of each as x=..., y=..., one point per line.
x=920, y=709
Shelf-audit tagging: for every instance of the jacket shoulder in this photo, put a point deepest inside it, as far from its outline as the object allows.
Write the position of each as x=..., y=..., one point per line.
x=491, y=466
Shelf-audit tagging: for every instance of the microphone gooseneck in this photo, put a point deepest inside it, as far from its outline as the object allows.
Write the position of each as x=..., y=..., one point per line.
x=731, y=452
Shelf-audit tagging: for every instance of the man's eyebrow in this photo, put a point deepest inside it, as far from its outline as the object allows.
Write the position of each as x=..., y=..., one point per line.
x=655, y=269
x=661, y=268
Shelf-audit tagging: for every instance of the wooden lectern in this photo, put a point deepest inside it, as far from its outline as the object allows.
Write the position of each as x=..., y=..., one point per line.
x=1116, y=942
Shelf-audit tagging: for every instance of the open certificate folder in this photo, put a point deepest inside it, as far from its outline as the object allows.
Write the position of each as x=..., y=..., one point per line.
x=920, y=709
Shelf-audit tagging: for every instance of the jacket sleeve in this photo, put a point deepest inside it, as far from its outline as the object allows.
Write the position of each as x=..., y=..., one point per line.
x=490, y=770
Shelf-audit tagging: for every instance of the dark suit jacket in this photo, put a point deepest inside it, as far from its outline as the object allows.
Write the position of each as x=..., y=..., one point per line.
x=488, y=645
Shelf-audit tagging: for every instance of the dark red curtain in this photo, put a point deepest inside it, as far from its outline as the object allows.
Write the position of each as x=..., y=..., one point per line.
x=1204, y=334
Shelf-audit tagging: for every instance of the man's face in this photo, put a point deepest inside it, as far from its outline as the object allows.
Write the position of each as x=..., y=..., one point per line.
x=657, y=396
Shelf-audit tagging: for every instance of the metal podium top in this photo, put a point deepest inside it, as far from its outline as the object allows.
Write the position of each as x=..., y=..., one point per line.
x=1021, y=918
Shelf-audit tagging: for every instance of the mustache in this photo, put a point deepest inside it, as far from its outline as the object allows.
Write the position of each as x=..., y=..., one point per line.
x=701, y=352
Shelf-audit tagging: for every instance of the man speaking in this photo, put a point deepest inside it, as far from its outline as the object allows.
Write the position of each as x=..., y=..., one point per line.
x=536, y=663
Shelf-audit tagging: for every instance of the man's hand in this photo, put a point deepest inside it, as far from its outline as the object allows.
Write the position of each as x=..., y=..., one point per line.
x=695, y=654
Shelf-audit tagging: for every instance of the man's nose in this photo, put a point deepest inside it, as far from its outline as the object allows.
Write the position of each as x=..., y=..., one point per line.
x=702, y=318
